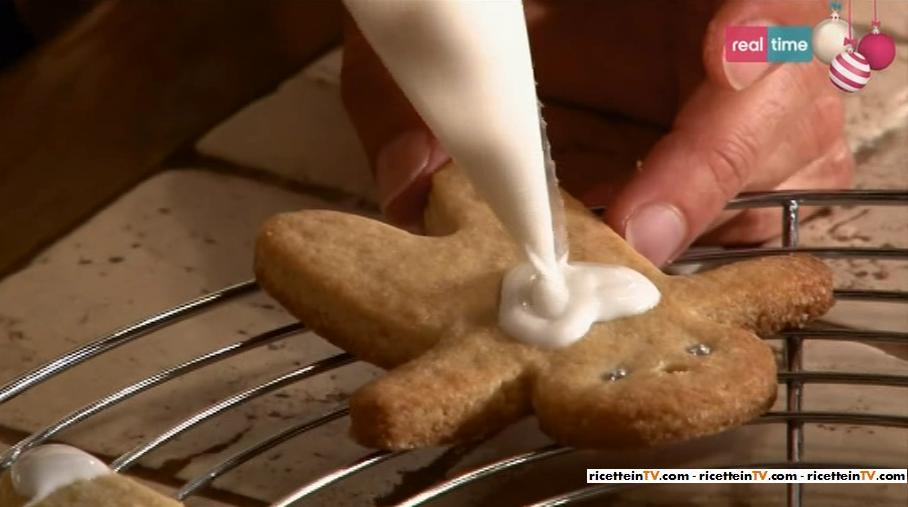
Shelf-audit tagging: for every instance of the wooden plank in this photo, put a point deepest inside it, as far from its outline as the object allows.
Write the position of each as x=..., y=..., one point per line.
x=98, y=107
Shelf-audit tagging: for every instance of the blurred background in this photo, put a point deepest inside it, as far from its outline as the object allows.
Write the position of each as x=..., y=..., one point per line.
x=96, y=96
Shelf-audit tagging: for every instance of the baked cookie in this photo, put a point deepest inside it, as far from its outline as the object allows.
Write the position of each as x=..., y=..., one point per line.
x=62, y=476
x=425, y=307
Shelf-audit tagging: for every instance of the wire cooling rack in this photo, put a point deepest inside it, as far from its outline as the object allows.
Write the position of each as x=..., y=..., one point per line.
x=792, y=376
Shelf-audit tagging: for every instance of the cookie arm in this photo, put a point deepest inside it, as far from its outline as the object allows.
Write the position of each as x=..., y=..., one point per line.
x=368, y=287
x=764, y=295
x=459, y=390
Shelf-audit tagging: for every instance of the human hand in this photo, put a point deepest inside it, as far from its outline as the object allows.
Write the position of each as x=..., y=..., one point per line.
x=704, y=128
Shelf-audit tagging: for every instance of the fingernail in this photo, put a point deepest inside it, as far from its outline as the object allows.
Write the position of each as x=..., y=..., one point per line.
x=400, y=163
x=741, y=75
x=656, y=231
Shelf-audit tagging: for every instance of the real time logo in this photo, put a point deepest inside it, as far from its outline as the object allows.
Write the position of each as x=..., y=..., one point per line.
x=768, y=44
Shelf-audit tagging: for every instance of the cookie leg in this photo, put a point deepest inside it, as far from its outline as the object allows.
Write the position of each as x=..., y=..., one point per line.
x=763, y=295
x=457, y=391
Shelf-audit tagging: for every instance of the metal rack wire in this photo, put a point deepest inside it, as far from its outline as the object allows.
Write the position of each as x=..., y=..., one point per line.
x=794, y=378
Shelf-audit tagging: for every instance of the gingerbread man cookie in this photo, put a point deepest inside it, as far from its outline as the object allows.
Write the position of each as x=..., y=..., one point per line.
x=425, y=307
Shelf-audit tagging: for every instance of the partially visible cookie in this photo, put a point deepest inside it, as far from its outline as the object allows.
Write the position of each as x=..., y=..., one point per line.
x=63, y=476
x=426, y=308
x=111, y=490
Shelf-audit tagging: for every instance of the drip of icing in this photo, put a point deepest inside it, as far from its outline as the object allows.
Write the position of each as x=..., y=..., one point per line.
x=466, y=68
x=44, y=469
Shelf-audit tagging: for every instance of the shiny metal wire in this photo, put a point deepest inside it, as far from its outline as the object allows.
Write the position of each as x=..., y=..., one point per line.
x=126, y=460
x=256, y=449
x=485, y=471
x=310, y=488
x=121, y=337
x=793, y=376
x=131, y=390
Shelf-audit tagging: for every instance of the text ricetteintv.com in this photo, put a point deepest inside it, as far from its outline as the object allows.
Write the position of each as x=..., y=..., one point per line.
x=747, y=475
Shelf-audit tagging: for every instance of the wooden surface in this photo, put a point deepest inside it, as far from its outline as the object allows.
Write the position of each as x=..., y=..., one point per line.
x=99, y=106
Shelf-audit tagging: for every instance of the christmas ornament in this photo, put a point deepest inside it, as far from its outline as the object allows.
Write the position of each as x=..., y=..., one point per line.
x=849, y=71
x=828, y=36
x=878, y=48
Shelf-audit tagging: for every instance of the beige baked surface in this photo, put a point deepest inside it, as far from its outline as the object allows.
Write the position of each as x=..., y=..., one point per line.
x=112, y=490
x=426, y=307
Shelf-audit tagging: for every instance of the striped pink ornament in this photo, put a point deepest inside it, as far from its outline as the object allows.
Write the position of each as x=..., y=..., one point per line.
x=849, y=71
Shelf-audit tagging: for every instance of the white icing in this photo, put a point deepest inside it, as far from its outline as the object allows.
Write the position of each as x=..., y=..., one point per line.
x=42, y=470
x=596, y=293
x=466, y=68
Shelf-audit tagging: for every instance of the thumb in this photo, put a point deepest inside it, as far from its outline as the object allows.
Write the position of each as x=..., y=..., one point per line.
x=715, y=149
x=402, y=151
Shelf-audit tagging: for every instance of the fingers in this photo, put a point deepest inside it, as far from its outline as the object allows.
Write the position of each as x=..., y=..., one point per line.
x=595, y=155
x=813, y=139
x=807, y=134
x=737, y=76
x=601, y=55
x=831, y=171
x=402, y=151
x=715, y=151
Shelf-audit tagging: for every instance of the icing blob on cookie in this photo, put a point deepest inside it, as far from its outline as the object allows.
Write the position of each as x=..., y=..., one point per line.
x=594, y=293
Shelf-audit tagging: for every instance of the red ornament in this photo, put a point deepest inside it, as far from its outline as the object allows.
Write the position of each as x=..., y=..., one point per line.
x=878, y=48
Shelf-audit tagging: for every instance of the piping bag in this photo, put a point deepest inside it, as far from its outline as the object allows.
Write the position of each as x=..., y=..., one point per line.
x=467, y=70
